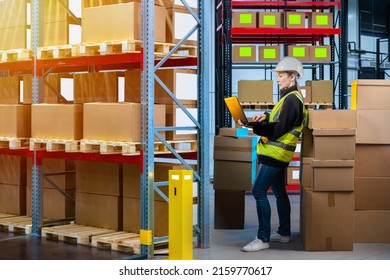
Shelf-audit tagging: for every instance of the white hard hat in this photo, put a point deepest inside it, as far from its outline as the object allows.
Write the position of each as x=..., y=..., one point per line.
x=290, y=64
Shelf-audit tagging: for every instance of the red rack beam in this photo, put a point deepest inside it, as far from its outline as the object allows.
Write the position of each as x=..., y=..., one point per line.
x=236, y=4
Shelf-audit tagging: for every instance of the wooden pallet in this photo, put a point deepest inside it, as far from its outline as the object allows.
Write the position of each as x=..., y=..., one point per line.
x=61, y=51
x=319, y=105
x=73, y=233
x=108, y=147
x=14, y=142
x=178, y=145
x=54, y=145
x=257, y=105
x=118, y=241
x=16, y=224
x=15, y=55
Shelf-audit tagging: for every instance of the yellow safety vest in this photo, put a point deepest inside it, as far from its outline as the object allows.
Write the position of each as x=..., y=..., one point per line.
x=283, y=148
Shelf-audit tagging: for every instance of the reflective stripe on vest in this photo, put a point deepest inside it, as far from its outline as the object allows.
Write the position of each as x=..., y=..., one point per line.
x=283, y=148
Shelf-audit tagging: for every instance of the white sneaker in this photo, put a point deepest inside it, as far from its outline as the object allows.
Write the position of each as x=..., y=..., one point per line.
x=255, y=245
x=276, y=237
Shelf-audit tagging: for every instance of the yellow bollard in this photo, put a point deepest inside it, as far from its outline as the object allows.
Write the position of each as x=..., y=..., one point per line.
x=180, y=215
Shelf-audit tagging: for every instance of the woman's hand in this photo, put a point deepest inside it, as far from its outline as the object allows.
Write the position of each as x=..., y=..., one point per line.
x=259, y=118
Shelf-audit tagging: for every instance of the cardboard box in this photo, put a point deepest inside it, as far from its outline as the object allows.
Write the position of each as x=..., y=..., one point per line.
x=15, y=121
x=54, y=11
x=320, y=53
x=229, y=209
x=307, y=172
x=96, y=87
x=233, y=131
x=370, y=95
x=55, y=33
x=270, y=19
x=178, y=23
x=269, y=53
x=372, y=193
x=244, y=53
x=57, y=121
x=132, y=216
x=13, y=170
x=10, y=90
x=183, y=83
x=13, y=13
x=235, y=149
x=321, y=91
x=306, y=93
x=175, y=116
x=372, y=226
x=55, y=204
x=244, y=19
x=255, y=91
x=328, y=221
x=372, y=160
x=98, y=210
x=333, y=175
x=105, y=23
x=117, y=121
x=13, y=38
x=329, y=144
x=13, y=199
x=370, y=127
x=293, y=175
x=302, y=53
x=320, y=20
x=234, y=175
x=295, y=19
x=332, y=119
x=99, y=177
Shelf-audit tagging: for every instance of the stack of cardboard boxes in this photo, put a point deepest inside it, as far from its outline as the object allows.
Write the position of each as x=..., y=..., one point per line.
x=253, y=91
x=371, y=99
x=235, y=166
x=327, y=201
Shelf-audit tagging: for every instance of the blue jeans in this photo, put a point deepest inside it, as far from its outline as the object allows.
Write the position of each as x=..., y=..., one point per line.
x=275, y=178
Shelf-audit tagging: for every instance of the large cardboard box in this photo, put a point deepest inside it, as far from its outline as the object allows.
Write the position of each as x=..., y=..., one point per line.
x=332, y=119
x=13, y=170
x=333, y=175
x=105, y=23
x=295, y=20
x=183, y=83
x=55, y=204
x=96, y=87
x=233, y=131
x=13, y=13
x=99, y=178
x=269, y=53
x=178, y=23
x=321, y=91
x=10, y=90
x=327, y=221
x=117, y=121
x=293, y=171
x=15, y=121
x=329, y=144
x=98, y=210
x=255, y=91
x=13, y=199
x=57, y=121
x=235, y=149
x=132, y=216
x=13, y=38
x=234, y=175
x=229, y=209
x=175, y=116
x=244, y=53
x=320, y=20
x=302, y=53
x=372, y=193
x=244, y=19
x=270, y=19
x=372, y=226
x=55, y=33
x=372, y=160
x=370, y=94
x=306, y=93
x=320, y=53
x=370, y=127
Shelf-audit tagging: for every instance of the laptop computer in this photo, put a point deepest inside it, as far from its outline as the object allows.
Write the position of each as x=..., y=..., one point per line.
x=235, y=109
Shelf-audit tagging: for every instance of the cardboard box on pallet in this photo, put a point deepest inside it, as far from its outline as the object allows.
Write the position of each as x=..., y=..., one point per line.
x=175, y=116
x=106, y=23
x=269, y=53
x=327, y=221
x=321, y=91
x=10, y=90
x=295, y=20
x=255, y=91
x=13, y=170
x=15, y=121
x=270, y=19
x=372, y=193
x=181, y=82
x=178, y=23
x=57, y=121
x=332, y=119
x=320, y=53
x=13, y=199
x=96, y=87
x=320, y=20
x=244, y=19
x=372, y=160
x=229, y=209
x=244, y=53
x=117, y=121
x=370, y=127
x=372, y=226
x=302, y=53
x=370, y=95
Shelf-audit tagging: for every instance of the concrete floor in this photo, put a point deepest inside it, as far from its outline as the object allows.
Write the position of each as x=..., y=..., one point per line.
x=225, y=244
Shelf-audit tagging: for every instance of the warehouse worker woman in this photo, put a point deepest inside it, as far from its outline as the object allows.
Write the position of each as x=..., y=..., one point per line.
x=275, y=150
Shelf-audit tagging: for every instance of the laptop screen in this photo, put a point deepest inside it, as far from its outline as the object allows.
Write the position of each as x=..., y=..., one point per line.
x=235, y=109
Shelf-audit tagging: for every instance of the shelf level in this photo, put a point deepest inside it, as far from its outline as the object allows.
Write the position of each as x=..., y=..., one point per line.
x=283, y=4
